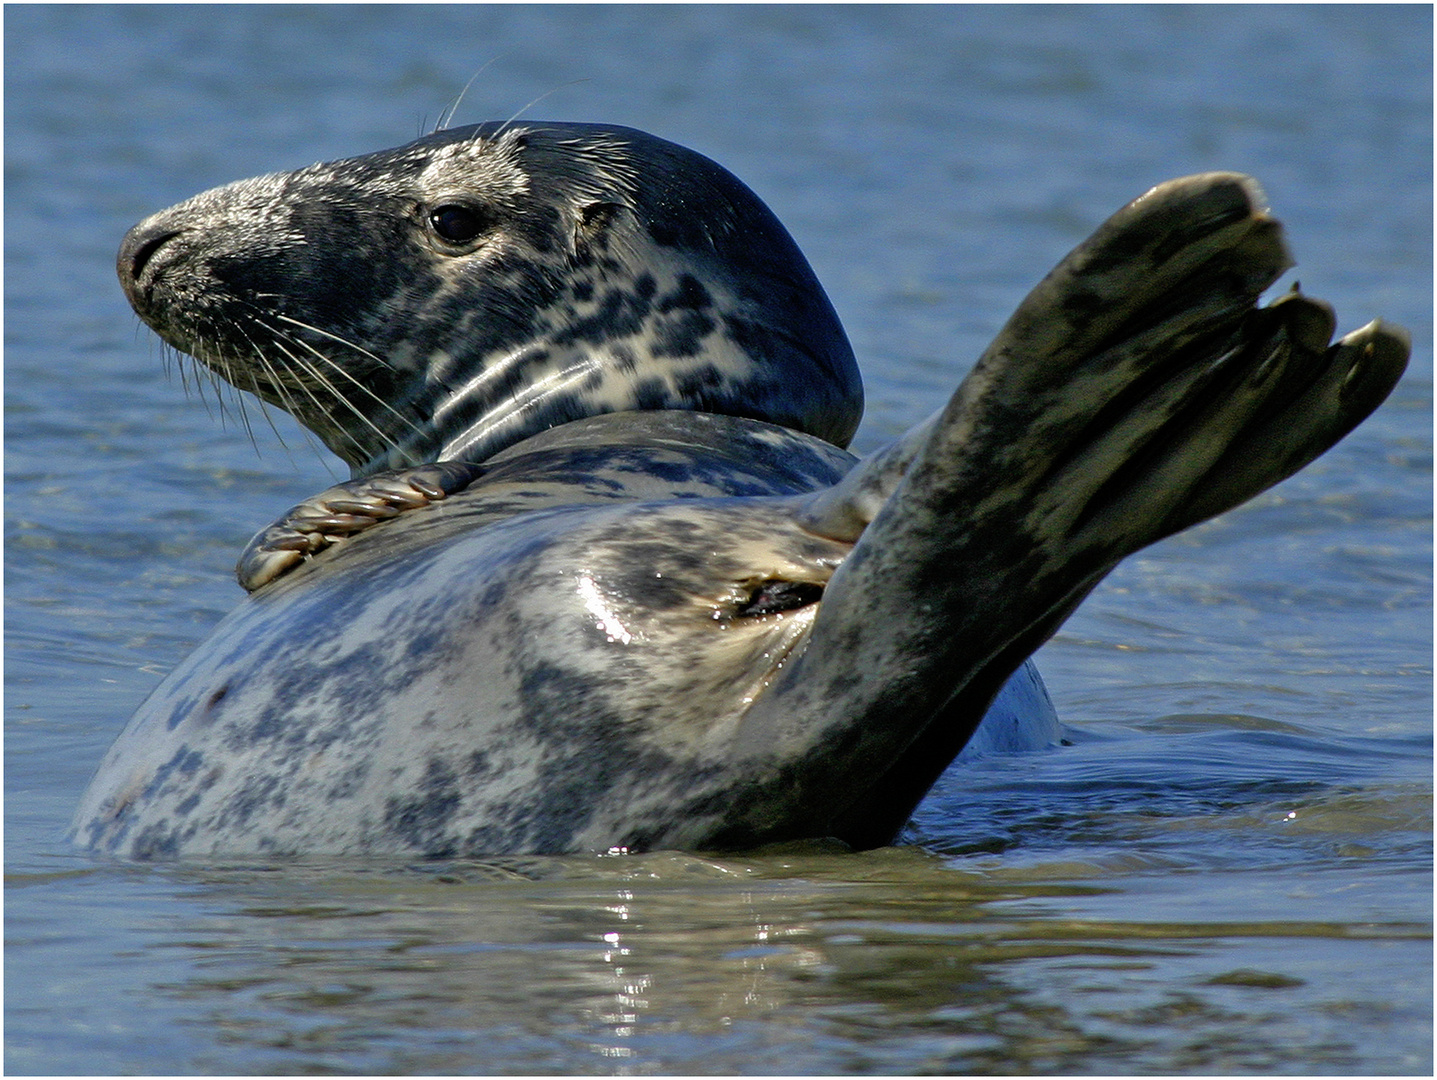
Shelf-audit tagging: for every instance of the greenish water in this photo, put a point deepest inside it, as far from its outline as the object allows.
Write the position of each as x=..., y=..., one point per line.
x=1228, y=871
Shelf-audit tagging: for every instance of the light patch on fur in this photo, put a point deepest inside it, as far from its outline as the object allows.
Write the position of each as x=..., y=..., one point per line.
x=616, y=177
x=492, y=168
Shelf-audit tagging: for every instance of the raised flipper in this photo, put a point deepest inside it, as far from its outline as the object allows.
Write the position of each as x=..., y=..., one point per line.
x=1136, y=391
x=341, y=512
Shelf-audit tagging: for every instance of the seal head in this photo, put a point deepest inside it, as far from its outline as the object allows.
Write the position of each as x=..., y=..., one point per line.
x=448, y=298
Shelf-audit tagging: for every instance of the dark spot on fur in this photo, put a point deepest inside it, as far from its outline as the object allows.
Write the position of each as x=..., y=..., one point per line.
x=622, y=359
x=187, y=805
x=258, y=793
x=422, y=819
x=621, y=313
x=183, y=710
x=651, y=394
x=694, y=383
x=184, y=763
x=348, y=782
x=157, y=841
x=690, y=295
x=682, y=336
x=753, y=337
x=425, y=643
x=271, y=723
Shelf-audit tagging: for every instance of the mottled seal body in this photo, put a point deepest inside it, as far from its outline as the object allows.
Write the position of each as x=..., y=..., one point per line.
x=562, y=657
x=677, y=628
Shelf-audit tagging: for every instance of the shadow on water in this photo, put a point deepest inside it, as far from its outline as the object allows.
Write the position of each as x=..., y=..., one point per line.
x=1201, y=787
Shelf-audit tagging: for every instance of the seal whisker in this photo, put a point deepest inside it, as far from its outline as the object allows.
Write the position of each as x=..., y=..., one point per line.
x=337, y=339
x=220, y=370
x=217, y=380
x=315, y=374
x=339, y=369
x=239, y=403
x=288, y=343
x=445, y=116
x=286, y=401
x=245, y=421
x=507, y=124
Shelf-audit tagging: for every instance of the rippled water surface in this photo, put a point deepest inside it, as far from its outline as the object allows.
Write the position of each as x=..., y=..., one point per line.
x=1227, y=871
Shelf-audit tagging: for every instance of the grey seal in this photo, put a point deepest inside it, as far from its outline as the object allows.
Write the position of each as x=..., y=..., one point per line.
x=689, y=626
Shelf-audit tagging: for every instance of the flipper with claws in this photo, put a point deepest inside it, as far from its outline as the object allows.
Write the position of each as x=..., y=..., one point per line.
x=341, y=512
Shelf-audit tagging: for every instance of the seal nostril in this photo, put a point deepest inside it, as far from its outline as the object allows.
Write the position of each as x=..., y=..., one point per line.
x=137, y=251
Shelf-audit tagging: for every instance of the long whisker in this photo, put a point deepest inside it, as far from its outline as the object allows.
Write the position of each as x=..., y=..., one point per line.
x=339, y=370
x=316, y=373
x=239, y=378
x=300, y=372
x=447, y=115
x=216, y=384
x=224, y=380
x=375, y=357
x=509, y=122
x=335, y=338
x=286, y=401
x=306, y=367
x=221, y=373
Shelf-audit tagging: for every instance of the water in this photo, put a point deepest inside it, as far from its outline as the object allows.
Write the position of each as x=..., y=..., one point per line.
x=1228, y=871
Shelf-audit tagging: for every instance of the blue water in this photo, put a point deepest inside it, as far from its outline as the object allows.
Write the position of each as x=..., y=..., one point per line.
x=1228, y=871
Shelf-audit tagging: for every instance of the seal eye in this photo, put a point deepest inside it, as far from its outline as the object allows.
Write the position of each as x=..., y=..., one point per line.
x=455, y=223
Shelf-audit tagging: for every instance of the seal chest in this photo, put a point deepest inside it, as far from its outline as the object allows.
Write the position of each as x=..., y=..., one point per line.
x=604, y=576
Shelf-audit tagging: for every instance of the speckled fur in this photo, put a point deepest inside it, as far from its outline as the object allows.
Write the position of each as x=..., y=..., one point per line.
x=337, y=712
x=558, y=658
